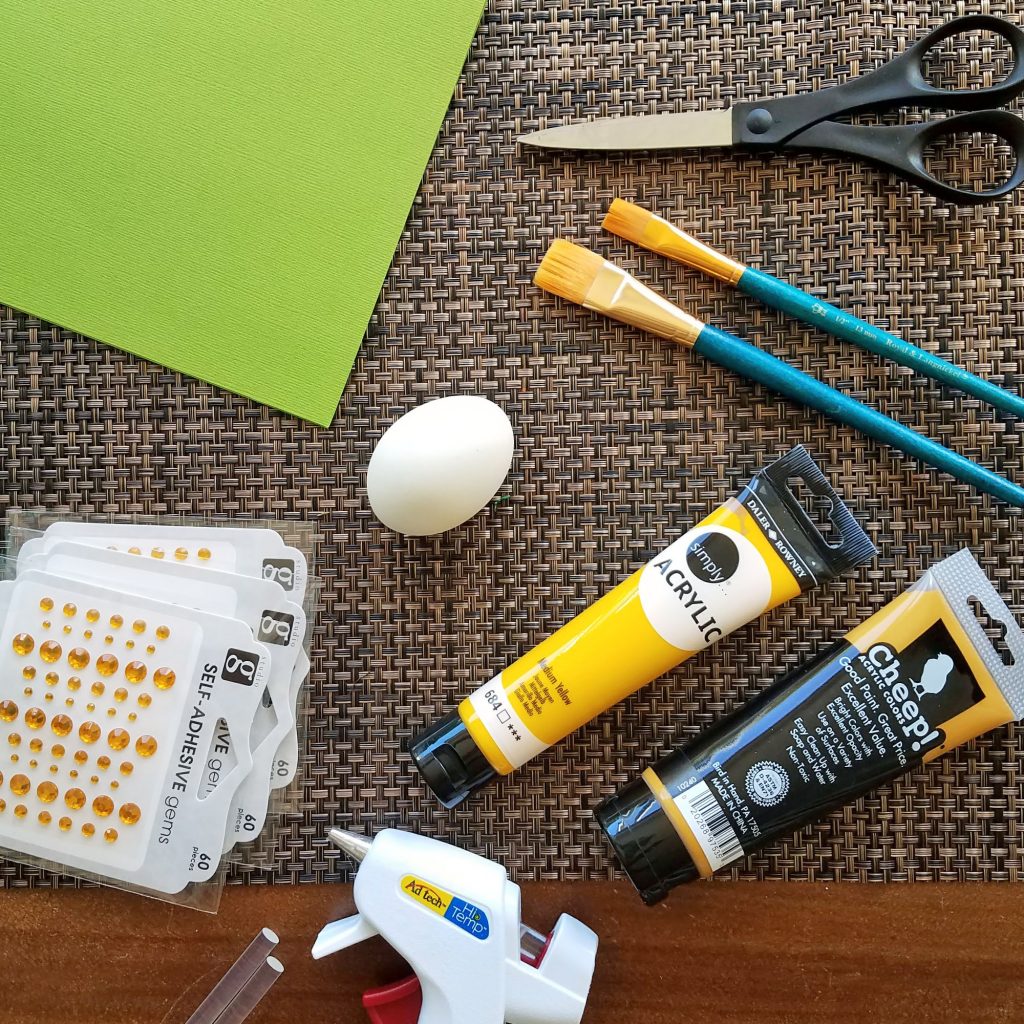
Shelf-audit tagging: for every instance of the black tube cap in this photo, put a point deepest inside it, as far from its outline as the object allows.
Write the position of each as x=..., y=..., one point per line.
x=449, y=760
x=645, y=842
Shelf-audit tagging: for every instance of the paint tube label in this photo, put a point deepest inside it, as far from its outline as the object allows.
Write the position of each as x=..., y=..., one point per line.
x=754, y=552
x=505, y=722
x=709, y=582
x=710, y=824
x=851, y=720
x=703, y=586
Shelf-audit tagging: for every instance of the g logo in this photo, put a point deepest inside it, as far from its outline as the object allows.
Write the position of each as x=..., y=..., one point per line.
x=276, y=628
x=280, y=570
x=240, y=667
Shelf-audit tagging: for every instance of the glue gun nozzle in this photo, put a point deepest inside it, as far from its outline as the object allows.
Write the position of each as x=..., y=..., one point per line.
x=355, y=845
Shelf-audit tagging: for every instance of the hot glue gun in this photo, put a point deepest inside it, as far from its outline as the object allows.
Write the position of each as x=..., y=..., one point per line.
x=455, y=917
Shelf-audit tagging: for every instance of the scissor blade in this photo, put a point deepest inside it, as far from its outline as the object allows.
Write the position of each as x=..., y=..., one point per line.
x=698, y=129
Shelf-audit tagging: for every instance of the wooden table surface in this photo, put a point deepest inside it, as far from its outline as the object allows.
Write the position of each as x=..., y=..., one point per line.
x=727, y=953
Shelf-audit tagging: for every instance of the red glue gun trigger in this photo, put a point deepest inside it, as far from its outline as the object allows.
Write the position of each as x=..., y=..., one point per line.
x=399, y=1003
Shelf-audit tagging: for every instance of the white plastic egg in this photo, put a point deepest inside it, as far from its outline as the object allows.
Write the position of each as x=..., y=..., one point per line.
x=439, y=464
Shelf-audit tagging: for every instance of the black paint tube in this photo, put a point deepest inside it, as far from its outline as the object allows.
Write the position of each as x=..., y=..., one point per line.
x=918, y=678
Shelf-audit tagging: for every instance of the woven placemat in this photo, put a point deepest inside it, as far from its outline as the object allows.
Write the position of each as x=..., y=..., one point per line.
x=623, y=441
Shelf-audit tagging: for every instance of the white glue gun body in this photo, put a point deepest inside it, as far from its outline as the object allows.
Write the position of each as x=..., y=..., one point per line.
x=455, y=917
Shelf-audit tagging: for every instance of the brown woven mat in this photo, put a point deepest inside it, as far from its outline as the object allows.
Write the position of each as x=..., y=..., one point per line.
x=622, y=441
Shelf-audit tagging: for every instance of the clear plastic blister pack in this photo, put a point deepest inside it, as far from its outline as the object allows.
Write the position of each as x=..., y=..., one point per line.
x=153, y=697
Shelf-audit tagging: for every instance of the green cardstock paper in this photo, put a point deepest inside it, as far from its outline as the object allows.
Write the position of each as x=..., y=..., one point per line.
x=219, y=186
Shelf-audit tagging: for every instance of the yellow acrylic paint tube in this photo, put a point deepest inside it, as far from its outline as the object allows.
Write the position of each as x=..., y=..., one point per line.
x=918, y=678
x=754, y=552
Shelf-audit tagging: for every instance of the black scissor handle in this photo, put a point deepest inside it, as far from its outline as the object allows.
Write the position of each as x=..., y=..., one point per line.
x=901, y=148
x=899, y=82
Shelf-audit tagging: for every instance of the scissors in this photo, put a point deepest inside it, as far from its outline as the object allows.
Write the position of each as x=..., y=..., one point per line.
x=805, y=121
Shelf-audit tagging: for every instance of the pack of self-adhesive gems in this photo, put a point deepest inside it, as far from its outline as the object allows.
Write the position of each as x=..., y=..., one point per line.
x=222, y=716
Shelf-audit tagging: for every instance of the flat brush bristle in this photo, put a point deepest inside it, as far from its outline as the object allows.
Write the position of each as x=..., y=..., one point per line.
x=568, y=270
x=642, y=227
x=627, y=220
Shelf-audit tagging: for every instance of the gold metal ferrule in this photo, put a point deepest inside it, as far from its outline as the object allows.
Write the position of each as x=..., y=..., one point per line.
x=621, y=296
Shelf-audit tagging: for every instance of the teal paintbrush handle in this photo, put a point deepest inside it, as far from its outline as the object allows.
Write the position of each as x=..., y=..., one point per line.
x=750, y=362
x=779, y=295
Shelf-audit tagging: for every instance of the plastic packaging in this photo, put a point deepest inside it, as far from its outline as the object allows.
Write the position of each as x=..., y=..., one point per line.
x=249, y=584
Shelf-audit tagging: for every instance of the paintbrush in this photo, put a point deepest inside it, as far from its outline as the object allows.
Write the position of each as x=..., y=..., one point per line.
x=583, y=277
x=635, y=224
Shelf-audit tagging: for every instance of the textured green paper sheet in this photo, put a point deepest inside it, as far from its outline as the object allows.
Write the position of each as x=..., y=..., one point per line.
x=219, y=186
